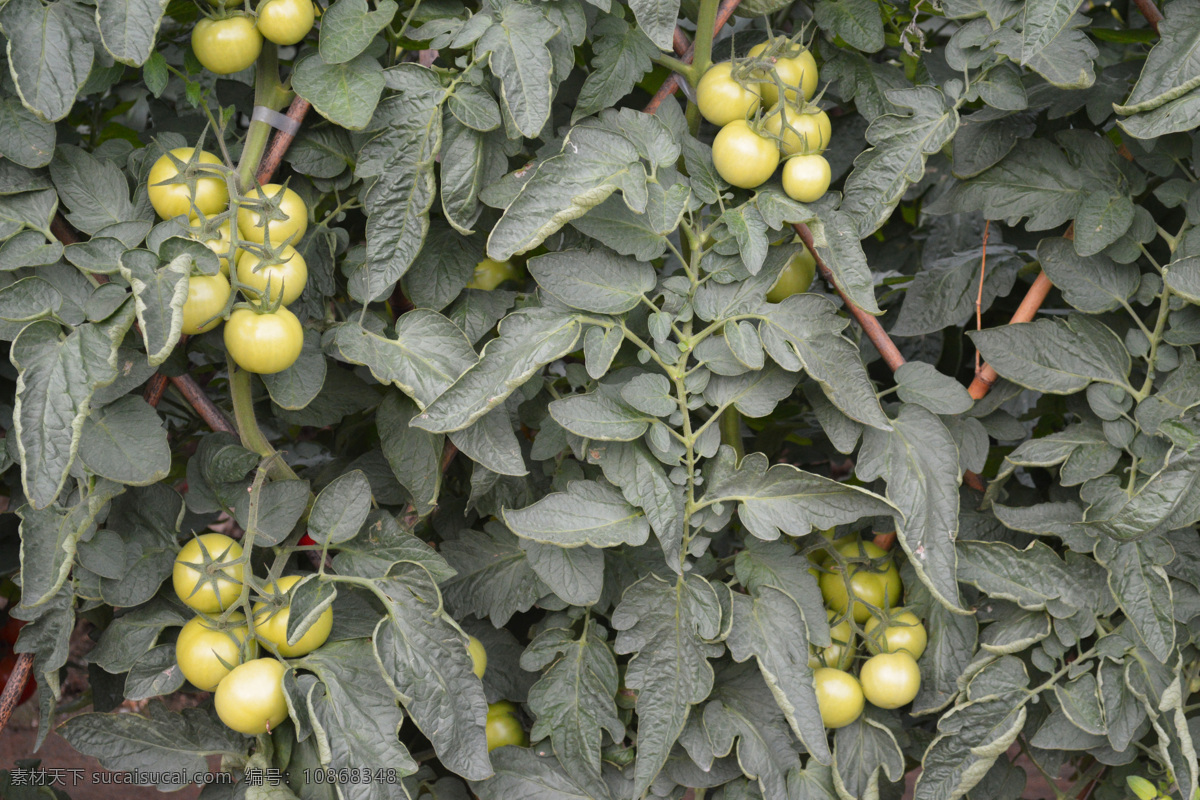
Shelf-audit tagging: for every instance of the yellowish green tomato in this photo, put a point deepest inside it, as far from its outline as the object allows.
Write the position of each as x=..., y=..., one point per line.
x=721, y=99
x=839, y=697
x=287, y=277
x=254, y=226
x=797, y=70
x=796, y=277
x=204, y=648
x=206, y=299
x=877, y=586
x=840, y=654
x=219, y=244
x=490, y=273
x=250, y=699
x=271, y=627
x=742, y=156
x=903, y=632
x=503, y=727
x=208, y=585
x=285, y=22
x=173, y=199
x=478, y=656
x=890, y=680
x=806, y=131
x=227, y=45
x=806, y=178
x=264, y=343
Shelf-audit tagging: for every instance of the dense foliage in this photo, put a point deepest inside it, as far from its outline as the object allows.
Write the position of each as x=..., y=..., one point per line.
x=503, y=355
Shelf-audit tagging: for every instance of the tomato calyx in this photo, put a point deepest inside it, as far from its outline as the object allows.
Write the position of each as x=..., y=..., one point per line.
x=190, y=172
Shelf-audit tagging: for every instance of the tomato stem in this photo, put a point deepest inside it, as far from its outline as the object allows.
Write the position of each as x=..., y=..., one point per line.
x=270, y=92
x=241, y=390
x=731, y=430
x=706, y=23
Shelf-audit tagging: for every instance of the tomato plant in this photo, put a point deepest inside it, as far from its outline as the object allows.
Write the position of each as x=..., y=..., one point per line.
x=726, y=398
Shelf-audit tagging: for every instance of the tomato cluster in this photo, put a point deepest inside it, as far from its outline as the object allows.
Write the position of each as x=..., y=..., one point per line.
x=232, y=41
x=747, y=149
x=860, y=584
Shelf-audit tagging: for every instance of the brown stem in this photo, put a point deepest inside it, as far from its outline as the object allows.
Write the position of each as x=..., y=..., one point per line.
x=1150, y=12
x=281, y=142
x=155, y=389
x=16, y=685
x=871, y=327
x=62, y=231
x=987, y=377
x=680, y=42
x=214, y=417
x=671, y=84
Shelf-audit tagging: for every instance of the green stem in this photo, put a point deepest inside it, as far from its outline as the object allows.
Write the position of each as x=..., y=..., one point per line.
x=702, y=53
x=269, y=92
x=241, y=389
x=731, y=430
x=1164, y=307
x=674, y=64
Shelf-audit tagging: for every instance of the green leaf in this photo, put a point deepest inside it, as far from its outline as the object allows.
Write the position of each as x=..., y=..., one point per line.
x=128, y=28
x=426, y=661
x=340, y=509
x=494, y=577
x=1056, y=356
x=901, y=144
x=573, y=699
x=528, y=341
x=643, y=482
x=594, y=163
x=281, y=503
x=1102, y=219
x=159, y=293
x=622, y=56
x=381, y=545
x=754, y=394
x=56, y=378
x=657, y=18
x=346, y=94
x=1054, y=46
x=919, y=460
x=414, y=455
x=95, y=191
x=126, y=442
x=1034, y=578
x=156, y=673
x=602, y=415
x=130, y=635
x=593, y=280
x=1092, y=284
x=427, y=356
x=952, y=644
x=665, y=625
x=921, y=383
x=475, y=108
x=470, y=161
x=769, y=626
x=783, y=499
x=856, y=21
x=162, y=742
x=1080, y=701
x=839, y=247
x=1172, y=68
x=588, y=512
x=523, y=772
x=860, y=750
x=348, y=27
x=575, y=575
x=802, y=332
x=29, y=299
x=1144, y=594
x=48, y=54
x=28, y=210
x=521, y=61
x=28, y=140
x=491, y=442
x=298, y=385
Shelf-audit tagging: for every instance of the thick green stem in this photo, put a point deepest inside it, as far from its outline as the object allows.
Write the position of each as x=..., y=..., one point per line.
x=731, y=430
x=1160, y=325
x=269, y=92
x=674, y=64
x=702, y=54
x=241, y=389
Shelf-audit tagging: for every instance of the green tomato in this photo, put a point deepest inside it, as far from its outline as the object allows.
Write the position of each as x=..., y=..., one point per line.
x=171, y=199
x=228, y=45
x=271, y=626
x=478, y=656
x=503, y=728
x=742, y=156
x=890, y=680
x=219, y=243
x=806, y=131
x=839, y=697
x=796, y=277
x=490, y=273
x=206, y=299
x=285, y=22
x=840, y=654
x=288, y=277
x=875, y=585
x=264, y=343
x=722, y=99
x=204, y=648
x=903, y=632
x=208, y=585
x=806, y=178
x=250, y=699
x=797, y=69
x=254, y=226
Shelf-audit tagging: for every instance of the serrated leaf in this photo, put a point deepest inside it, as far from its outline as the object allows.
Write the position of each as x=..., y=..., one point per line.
x=48, y=56
x=159, y=293
x=973, y=737
x=520, y=59
x=657, y=19
x=1144, y=594
x=644, y=483
x=622, y=55
x=492, y=443
x=588, y=512
x=126, y=442
x=856, y=21
x=494, y=577
x=1172, y=68
x=593, y=280
x=340, y=509
x=1053, y=45
x=921, y=383
x=29, y=140
x=128, y=28
x=346, y=94
x=860, y=751
x=1056, y=356
x=1093, y=284
x=523, y=772
x=349, y=26
x=1034, y=578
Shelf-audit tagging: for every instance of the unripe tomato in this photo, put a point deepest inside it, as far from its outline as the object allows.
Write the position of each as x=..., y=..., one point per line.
x=796, y=277
x=722, y=99
x=806, y=131
x=806, y=178
x=503, y=728
x=839, y=697
x=490, y=273
x=220, y=243
x=264, y=343
x=206, y=299
x=1144, y=789
x=288, y=277
x=904, y=632
x=285, y=21
x=890, y=680
x=478, y=656
x=272, y=627
x=228, y=45
x=171, y=199
x=8, y=663
x=743, y=157
x=798, y=70
x=251, y=226
x=875, y=585
x=211, y=588
x=202, y=646
x=250, y=699
x=840, y=654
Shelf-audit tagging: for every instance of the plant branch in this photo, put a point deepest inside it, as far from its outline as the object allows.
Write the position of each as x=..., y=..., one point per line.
x=671, y=84
x=1150, y=12
x=281, y=142
x=986, y=378
x=213, y=417
x=241, y=389
x=16, y=685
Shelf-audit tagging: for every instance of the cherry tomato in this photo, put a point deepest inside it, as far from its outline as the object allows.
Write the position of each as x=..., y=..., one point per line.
x=743, y=157
x=839, y=697
x=890, y=680
x=206, y=299
x=903, y=632
x=478, y=656
x=208, y=589
x=796, y=69
x=806, y=131
x=307, y=541
x=264, y=343
x=490, y=273
x=204, y=648
x=286, y=230
x=722, y=99
x=271, y=626
x=228, y=45
x=211, y=196
x=840, y=654
x=8, y=663
x=796, y=277
x=503, y=727
x=285, y=21
x=873, y=584
x=11, y=630
x=288, y=277
x=250, y=699
x=806, y=178
x=220, y=242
